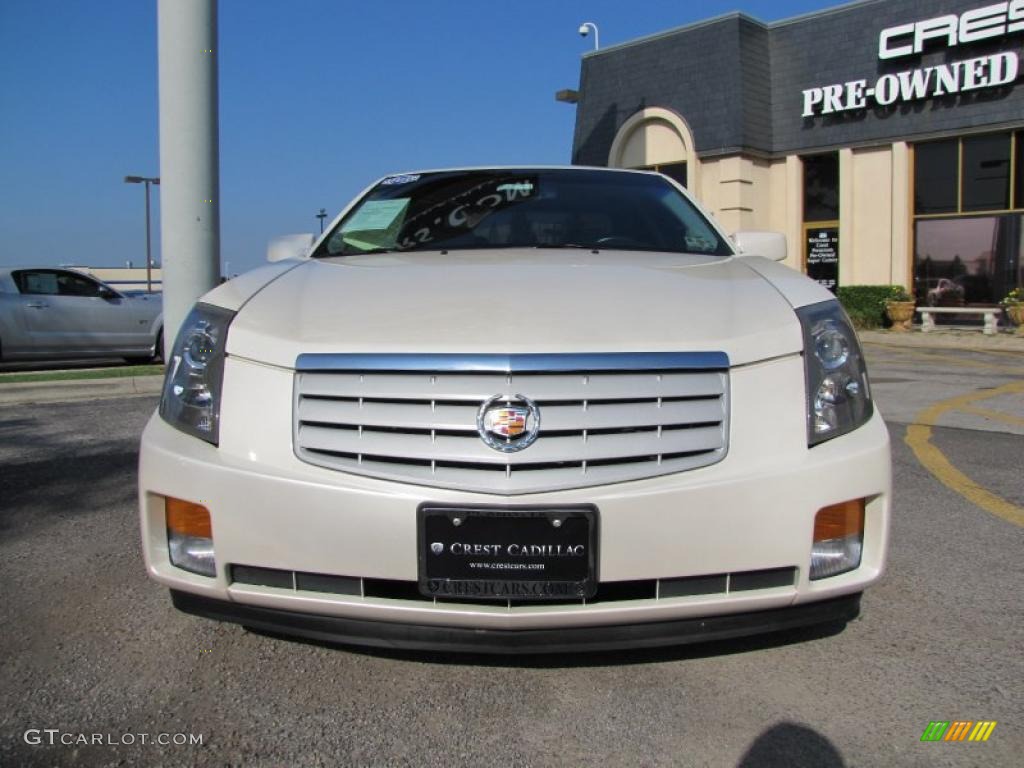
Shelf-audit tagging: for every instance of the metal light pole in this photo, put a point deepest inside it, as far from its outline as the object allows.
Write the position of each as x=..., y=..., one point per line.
x=322, y=215
x=189, y=160
x=147, y=180
x=585, y=27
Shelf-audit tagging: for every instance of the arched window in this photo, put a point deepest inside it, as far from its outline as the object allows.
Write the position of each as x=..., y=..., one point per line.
x=657, y=139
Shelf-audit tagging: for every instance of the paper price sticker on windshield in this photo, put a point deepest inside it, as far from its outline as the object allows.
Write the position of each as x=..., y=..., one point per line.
x=523, y=188
x=375, y=224
x=405, y=179
x=376, y=215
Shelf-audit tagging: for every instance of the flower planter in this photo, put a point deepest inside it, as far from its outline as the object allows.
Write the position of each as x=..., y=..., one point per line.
x=1016, y=314
x=900, y=314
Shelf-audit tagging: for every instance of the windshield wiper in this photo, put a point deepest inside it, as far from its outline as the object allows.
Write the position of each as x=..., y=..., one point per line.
x=362, y=253
x=578, y=246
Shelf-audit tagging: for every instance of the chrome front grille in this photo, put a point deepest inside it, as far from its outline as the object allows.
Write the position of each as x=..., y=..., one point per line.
x=604, y=418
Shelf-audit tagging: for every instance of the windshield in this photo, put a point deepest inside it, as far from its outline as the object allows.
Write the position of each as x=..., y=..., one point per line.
x=523, y=209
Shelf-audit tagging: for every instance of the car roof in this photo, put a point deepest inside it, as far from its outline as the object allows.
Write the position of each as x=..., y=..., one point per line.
x=459, y=169
x=76, y=268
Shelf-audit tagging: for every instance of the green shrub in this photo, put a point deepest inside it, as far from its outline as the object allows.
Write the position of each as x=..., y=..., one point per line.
x=865, y=304
x=899, y=293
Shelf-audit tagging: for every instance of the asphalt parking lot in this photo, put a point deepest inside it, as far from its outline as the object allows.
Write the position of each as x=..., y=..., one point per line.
x=90, y=646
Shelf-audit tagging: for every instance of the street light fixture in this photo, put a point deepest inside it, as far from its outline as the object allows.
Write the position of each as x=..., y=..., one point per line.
x=147, y=180
x=322, y=215
x=585, y=28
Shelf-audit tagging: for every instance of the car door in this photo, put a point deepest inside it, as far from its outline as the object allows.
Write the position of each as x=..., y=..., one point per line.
x=107, y=321
x=65, y=312
x=47, y=329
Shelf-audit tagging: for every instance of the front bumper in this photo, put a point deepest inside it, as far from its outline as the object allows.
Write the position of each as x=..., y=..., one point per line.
x=752, y=513
x=337, y=629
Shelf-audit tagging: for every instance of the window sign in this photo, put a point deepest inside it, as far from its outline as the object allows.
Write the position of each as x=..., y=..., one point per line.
x=822, y=244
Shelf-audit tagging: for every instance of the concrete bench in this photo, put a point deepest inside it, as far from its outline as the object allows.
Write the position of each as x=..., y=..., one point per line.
x=928, y=316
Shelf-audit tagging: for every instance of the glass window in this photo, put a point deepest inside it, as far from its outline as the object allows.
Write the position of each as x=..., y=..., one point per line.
x=1019, y=172
x=821, y=187
x=1017, y=275
x=76, y=285
x=530, y=208
x=935, y=176
x=966, y=260
x=675, y=171
x=41, y=283
x=986, y=173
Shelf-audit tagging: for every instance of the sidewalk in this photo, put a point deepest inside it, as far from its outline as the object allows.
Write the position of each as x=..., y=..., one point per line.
x=20, y=393
x=970, y=340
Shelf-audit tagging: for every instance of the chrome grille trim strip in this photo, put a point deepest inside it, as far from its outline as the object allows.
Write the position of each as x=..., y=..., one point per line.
x=516, y=363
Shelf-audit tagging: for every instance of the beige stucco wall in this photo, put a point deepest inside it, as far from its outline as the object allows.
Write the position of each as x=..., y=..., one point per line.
x=744, y=192
x=123, y=278
x=874, y=207
x=793, y=193
x=751, y=193
x=868, y=230
x=740, y=186
x=874, y=236
x=653, y=143
x=902, y=210
x=656, y=136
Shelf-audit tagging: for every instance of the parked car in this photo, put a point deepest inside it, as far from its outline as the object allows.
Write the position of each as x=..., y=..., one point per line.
x=946, y=293
x=52, y=313
x=518, y=409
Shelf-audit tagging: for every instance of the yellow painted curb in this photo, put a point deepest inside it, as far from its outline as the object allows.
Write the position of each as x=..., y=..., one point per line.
x=931, y=458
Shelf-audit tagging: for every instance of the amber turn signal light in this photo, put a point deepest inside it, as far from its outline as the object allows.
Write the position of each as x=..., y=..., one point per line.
x=837, y=521
x=838, y=539
x=186, y=518
x=190, y=536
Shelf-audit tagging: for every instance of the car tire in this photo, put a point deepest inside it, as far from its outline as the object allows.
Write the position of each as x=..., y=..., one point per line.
x=157, y=356
x=158, y=348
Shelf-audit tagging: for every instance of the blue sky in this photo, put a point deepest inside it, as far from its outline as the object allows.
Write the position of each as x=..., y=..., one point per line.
x=317, y=99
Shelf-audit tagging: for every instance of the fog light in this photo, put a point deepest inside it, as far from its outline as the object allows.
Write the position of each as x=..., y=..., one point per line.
x=838, y=539
x=190, y=536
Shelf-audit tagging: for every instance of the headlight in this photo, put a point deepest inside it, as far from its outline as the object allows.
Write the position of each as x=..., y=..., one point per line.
x=838, y=395
x=195, y=373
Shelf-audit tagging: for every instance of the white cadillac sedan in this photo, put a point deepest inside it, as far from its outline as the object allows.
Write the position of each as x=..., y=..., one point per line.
x=518, y=410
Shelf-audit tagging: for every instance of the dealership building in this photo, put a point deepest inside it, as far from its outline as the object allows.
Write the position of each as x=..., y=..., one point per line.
x=885, y=138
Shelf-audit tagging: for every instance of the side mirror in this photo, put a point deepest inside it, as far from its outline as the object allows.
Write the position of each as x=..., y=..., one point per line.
x=771, y=245
x=290, y=247
x=108, y=294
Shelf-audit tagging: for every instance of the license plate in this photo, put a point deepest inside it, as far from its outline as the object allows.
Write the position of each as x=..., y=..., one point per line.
x=515, y=553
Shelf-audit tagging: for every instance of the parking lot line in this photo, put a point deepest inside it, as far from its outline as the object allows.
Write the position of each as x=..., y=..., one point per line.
x=994, y=415
x=935, y=461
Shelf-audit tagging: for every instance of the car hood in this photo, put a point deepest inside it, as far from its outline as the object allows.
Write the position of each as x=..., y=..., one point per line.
x=517, y=301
